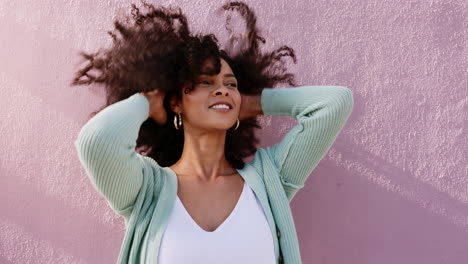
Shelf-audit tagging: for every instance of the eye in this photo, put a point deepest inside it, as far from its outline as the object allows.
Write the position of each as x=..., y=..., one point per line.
x=204, y=82
x=232, y=84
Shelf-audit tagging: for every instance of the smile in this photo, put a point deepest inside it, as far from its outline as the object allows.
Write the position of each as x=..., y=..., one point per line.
x=224, y=106
x=221, y=107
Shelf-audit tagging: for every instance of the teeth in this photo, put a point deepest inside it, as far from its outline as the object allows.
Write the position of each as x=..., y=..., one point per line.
x=220, y=106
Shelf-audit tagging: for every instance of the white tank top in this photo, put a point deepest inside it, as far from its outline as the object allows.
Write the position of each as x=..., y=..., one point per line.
x=244, y=237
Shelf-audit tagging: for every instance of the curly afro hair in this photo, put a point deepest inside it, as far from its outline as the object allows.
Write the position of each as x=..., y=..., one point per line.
x=151, y=51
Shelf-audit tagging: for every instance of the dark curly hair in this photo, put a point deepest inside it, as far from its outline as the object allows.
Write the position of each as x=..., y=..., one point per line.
x=151, y=51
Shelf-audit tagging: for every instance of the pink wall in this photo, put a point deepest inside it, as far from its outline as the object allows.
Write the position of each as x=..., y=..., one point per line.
x=392, y=189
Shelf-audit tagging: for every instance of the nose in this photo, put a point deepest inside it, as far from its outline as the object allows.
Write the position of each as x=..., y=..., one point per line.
x=221, y=90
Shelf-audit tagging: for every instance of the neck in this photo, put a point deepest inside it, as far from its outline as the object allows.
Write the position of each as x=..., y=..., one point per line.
x=203, y=156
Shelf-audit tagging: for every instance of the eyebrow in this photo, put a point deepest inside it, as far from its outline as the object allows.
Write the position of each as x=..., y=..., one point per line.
x=225, y=75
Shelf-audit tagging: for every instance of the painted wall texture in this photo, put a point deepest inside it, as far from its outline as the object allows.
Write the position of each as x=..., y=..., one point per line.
x=392, y=189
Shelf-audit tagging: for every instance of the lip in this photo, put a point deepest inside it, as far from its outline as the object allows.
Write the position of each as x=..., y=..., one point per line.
x=223, y=110
x=222, y=102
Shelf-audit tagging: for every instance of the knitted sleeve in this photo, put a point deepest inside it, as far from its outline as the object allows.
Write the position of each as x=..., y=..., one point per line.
x=322, y=112
x=106, y=149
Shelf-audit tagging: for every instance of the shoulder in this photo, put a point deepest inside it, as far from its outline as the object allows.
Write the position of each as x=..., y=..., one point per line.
x=153, y=173
x=261, y=162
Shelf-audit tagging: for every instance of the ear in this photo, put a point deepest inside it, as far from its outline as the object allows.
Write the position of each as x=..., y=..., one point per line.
x=175, y=104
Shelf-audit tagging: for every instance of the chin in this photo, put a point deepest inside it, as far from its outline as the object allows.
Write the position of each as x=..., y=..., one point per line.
x=221, y=127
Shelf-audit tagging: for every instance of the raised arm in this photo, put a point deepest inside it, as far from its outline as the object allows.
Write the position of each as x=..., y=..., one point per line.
x=322, y=112
x=106, y=149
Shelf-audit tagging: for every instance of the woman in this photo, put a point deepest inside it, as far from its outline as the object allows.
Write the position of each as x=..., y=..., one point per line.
x=189, y=197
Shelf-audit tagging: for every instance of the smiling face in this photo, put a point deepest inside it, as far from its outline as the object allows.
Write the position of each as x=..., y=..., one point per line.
x=196, y=109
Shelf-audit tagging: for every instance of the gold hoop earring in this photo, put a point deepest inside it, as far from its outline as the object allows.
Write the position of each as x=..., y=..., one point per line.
x=237, y=125
x=178, y=121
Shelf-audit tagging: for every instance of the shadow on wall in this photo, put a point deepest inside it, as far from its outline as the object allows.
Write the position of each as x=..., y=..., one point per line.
x=377, y=208
x=39, y=226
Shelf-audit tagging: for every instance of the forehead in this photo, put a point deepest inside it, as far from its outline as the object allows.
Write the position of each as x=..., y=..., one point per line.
x=208, y=67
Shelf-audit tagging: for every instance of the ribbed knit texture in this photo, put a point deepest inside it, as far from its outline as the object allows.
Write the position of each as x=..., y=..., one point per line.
x=143, y=192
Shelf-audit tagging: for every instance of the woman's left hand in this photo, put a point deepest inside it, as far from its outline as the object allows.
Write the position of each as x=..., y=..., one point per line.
x=250, y=107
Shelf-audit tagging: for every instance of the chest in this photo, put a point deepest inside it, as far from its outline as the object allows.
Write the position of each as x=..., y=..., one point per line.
x=209, y=205
x=244, y=237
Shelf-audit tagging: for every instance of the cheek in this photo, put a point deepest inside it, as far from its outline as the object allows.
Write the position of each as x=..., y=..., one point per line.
x=238, y=99
x=195, y=105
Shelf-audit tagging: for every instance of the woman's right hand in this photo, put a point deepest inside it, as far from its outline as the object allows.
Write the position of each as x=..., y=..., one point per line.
x=156, y=111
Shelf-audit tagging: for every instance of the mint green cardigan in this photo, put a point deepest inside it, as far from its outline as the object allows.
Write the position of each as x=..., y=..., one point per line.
x=143, y=192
